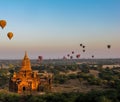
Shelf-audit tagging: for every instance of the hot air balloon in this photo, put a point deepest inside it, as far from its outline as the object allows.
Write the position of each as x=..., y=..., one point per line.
x=78, y=56
x=83, y=46
x=80, y=44
x=72, y=52
x=10, y=35
x=92, y=56
x=40, y=58
x=3, y=23
x=68, y=55
x=64, y=58
x=83, y=50
x=108, y=46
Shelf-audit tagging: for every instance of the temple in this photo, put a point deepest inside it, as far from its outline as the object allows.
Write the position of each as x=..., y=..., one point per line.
x=28, y=80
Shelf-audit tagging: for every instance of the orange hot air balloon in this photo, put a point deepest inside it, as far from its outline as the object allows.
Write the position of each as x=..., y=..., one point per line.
x=10, y=35
x=3, y=23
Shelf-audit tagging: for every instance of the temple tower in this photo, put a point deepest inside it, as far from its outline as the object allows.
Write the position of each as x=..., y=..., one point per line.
x=26, y=65
x=28, y=80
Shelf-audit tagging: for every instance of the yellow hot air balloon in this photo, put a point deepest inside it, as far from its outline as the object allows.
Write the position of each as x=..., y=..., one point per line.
x=10, y=35
x=3, y=23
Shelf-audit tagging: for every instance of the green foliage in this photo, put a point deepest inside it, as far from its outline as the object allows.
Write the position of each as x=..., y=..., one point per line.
x=61, y=79
x=92, y=96
x=72, y=76
x=85, y=68
x=95, y=81
x=6, y=97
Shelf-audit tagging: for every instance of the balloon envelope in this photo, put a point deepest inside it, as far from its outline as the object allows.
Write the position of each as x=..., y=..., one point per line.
x=72, y=52
x=83, y=50
x=10, y=35
x=83, y=46
x=92, y=56
x=64, y=58
x=108, y=46
x=78, y=56
x=40, y=58
x=3, y=23
x=80, y=44
x=68, y=55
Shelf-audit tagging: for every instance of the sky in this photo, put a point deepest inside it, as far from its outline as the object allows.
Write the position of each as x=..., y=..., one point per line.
x=55, y=28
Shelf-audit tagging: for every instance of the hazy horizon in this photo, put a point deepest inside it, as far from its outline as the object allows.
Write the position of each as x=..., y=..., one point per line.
x=55, y=28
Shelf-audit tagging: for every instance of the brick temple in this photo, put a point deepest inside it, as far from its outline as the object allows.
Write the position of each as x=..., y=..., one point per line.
x=28, y=80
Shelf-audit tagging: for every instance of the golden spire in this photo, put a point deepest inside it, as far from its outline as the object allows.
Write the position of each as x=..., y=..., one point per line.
x=26, y=55
x=26, y=65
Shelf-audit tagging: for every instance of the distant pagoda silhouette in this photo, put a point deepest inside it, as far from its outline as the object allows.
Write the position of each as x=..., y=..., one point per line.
x=29, y=81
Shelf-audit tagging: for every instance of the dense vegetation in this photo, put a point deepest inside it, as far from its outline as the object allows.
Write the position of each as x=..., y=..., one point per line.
x=107, y=79
x=93, y=96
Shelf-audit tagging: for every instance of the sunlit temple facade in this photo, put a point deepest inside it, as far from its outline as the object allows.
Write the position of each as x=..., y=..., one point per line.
x=28, y=80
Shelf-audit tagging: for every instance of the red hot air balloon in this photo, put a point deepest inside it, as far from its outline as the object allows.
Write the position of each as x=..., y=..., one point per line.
x=78, y=56
x=68, y=55
x=40, y=58
x=64, y=58
x=72, y=52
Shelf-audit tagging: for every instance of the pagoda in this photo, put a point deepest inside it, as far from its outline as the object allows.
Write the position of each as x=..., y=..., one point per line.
x=27, y=80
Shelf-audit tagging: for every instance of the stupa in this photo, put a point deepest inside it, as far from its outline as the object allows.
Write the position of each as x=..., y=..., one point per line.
x=28, y=80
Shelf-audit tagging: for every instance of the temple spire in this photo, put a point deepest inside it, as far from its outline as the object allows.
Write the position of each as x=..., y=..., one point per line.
x=26, y=55
x=26, y=65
